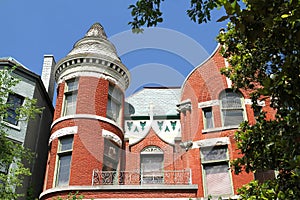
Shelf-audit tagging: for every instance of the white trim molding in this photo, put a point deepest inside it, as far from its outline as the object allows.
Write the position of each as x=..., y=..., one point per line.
x=211, y=142
x=259, y=103
x=208, y=103
x=62, y=132
x=184, y=106
x=86, y=116
x=118, y=188
x=112, y=136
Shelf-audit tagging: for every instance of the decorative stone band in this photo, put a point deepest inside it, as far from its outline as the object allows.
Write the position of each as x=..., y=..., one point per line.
x=211, y=142
x=118, y=188
x=217, y=102
x=86, y=116
x=91, y=74
x=111, y=136
x=152, y=150
x=166, y=129
x=184, y=106
x=260, y=103
x=208, y=103
x=76, y=62
x=63, y=132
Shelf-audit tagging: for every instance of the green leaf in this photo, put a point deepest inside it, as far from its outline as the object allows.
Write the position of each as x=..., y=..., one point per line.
x=285, y=16
x=223, y=18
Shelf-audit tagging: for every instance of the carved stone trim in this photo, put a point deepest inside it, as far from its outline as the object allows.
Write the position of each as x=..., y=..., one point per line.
x=86, y=116
x=249, y=102
x=212, y=142
x=208, y=103
x=151, y=149
x=62, y=132
x=92, y=74
x=111, y=136
x=184, y=106
x=69, y=63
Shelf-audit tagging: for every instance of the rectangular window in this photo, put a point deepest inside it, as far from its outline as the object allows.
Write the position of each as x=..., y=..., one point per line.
x=15, y=101
x=152, y=168
x=4, y=171
x=114, y=103
x=64, y=160
x=110, y=162
x=208, y=118
x=263, y=176
x=232, y=108
x=232, y=117
x=70, y=97
x=217, y=179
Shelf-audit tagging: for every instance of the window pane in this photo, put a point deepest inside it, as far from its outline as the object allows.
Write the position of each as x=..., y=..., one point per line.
x=111, y=156
x=217, y=179
x=151, y=168
x=15, y=101
x=70, y=102
x=113, y=109
x=214, y=153
x=111, y=150
x=153, y=162
x=231, y=100
x=66, y=143
x=116, y=93
x=232, y=117
x=4, y=168
x=64, y=170
x=72, y=85
x=232, y=108
x=208, y=118
x=114, y=104
x=262, y=176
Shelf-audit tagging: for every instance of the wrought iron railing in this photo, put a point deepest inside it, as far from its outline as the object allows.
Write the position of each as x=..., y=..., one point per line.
x=175, y=177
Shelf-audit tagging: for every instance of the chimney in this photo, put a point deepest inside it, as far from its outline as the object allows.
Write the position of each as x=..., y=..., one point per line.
x=47, y=74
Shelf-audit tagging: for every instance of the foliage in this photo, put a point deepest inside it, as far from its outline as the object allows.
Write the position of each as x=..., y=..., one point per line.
x=12, y=153
x=262, y=46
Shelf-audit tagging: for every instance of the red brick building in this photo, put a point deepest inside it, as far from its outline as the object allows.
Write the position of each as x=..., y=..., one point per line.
x=159, y=143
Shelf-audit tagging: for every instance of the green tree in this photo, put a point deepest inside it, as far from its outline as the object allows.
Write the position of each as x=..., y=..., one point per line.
x=262, y=45
x=11, y=153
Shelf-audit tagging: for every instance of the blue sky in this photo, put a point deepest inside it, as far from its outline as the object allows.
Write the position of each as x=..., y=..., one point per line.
x=30, y=29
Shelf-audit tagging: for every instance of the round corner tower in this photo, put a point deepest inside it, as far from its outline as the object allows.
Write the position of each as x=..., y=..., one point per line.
x=87, y=131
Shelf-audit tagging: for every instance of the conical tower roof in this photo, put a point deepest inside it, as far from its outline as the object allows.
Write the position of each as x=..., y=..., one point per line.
x=95, y=43
x=94, y=53
x=96, y=30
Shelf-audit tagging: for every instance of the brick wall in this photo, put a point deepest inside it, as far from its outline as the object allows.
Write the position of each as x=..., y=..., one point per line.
x=88, y=143
x=205, y=84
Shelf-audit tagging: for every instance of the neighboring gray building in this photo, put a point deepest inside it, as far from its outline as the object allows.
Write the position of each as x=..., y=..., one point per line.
x=33, y=134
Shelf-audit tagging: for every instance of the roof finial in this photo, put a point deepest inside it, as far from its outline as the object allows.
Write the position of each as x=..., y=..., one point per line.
x=96, y=30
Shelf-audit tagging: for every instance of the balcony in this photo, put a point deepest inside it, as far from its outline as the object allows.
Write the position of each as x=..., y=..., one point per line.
x=177, y=177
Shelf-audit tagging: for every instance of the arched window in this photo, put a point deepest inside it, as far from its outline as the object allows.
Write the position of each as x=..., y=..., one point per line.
x=152, y=163
x=231, y=108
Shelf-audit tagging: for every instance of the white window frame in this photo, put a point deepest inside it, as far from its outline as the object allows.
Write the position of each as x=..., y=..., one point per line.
x=156, y=176
x=72, y=93
x=242, y=108
x=63, y=153
x=215, y=162
x=114, y=103
x=13, y=109
x=204, y=110
x=110, y=165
